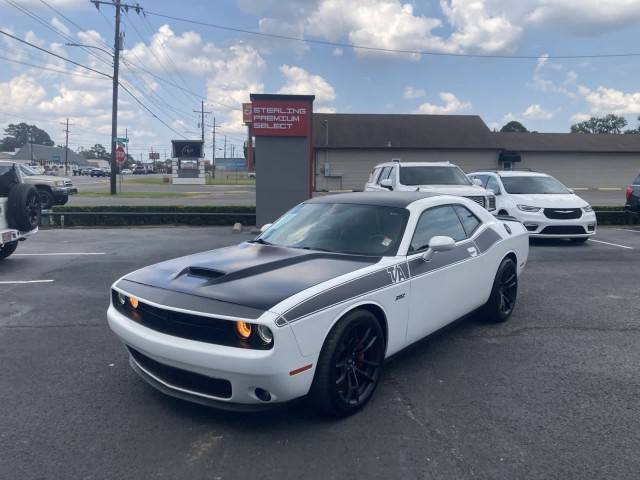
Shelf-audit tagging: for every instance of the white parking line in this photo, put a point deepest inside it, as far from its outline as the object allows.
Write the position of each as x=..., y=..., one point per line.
x=609, y=189
x=17, y=282
x=612, y=244
x=626, y=230
x=53, y=254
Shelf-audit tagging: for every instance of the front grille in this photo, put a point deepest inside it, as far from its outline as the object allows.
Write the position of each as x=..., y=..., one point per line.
x=185, y=325
x=479, y=200
x=176, y=377
x=564, y=230
x=492, y=203
x=563, y=213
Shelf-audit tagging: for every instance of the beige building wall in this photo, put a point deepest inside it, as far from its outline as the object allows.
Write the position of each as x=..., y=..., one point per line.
x=585, y=170
x=350, y=169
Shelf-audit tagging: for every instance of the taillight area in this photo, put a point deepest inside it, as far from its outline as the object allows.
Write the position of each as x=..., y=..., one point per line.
x=629, y=191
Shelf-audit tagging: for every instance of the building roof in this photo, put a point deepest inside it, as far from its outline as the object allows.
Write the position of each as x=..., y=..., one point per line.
x=46, y=153
x=347, y=130
x=451, y=132
x=568, y=142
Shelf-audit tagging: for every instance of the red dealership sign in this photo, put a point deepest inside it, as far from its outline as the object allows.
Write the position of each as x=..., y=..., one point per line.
x=278, y=118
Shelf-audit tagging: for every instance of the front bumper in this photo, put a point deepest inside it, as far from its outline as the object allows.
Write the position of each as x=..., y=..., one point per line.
x=245, y=369
x=540, y=226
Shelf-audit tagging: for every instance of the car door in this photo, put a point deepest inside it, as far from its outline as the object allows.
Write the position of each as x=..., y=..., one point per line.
x=443, y=289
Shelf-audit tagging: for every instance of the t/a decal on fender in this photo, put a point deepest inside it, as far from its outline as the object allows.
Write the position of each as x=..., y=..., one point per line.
x=397, y=274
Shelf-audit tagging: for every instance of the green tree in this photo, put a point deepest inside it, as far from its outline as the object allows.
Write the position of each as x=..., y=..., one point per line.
x=97, y=152
x=19, y=134
x=514, y=126
x=608, y=124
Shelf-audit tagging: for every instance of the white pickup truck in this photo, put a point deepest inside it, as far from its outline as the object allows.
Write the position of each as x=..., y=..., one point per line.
x=19, y=208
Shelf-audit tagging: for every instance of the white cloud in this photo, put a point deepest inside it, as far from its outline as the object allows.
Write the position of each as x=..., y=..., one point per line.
x=337, y=52
x=605, y=100
x=413, y=92
x=536, y=112
x=451, y=105
x=300, y=82
x=482, y=25
x=21, y=93
x=585, y=17
x=580, y=117
x=56, y=23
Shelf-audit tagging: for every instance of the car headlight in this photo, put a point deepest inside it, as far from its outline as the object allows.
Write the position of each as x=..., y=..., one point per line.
x=59, y=183
x=265, y=334
x=588, y=208
x=528, y=208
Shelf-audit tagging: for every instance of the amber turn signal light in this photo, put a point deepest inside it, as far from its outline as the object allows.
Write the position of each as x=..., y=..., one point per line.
x=243, y=329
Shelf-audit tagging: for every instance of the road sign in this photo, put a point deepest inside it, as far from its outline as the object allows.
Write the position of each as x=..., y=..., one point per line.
x=154, y=155
x=123, y=140
x=120, y=154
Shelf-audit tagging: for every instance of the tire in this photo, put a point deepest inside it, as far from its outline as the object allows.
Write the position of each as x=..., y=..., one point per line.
x=24, y=207
x=350, y=365
x=7, y=249
x=46, y=198
x=64, y=200
x=580, y=239
x=503, y=296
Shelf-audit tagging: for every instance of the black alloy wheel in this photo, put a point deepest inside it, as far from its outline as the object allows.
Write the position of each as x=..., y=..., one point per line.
x=504, y=293
x=46, y=198
x=350, y=365
x=34, y=210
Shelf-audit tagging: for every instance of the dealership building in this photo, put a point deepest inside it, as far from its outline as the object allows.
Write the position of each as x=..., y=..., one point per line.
x=347, y=146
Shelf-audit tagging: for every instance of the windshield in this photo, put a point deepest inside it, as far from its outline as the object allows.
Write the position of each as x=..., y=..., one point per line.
x=28, y=171
x=433, y=176
x=533, y=185
x=341, y=228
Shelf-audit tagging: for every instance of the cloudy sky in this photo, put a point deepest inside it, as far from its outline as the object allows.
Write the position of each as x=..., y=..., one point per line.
x=170, y=65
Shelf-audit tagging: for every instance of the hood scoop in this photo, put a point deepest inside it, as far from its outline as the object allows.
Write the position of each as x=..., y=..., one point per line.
x=202, y=272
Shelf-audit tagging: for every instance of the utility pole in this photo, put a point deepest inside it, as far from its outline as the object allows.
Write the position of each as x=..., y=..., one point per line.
x=117, y=45
x=66, y=147
x=225, y=146
x=202, y=114
x=213, y=149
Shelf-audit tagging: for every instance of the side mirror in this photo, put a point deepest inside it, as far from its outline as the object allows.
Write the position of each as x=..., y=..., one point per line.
x=265, y=227
x=438, y=244
x=477, y=181
x=387, y=183
x=571, y=190
x=491, y=190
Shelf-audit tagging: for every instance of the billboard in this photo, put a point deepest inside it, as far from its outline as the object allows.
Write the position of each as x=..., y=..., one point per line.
x=280, y=118
x=233, y=164
x=187, y=148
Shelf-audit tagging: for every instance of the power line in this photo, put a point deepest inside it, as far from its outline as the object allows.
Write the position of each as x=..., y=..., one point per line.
x=388, y=50
x=53, y=54
x=42, y=67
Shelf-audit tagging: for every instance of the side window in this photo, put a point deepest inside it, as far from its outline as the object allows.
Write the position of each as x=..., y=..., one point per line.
x=374, y=175
x=384, y=174
x=469, y=221
x=434, y=222
x=482, y=178
x=492, y=184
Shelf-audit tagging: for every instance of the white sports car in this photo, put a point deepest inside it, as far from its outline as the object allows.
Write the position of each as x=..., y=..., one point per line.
x=315, y=304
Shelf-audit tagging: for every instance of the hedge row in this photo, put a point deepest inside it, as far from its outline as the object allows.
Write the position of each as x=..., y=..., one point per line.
x=69, y=216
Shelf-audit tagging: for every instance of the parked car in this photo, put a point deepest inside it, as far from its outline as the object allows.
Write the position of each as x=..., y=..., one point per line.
x=315, y=304
x=544, y=205
x=39, y=169
x=19, y=208
x=633, y=196
x=126, y=171
x=434, y=177
x=51, y=189
x=139, y=170
x=98, y=172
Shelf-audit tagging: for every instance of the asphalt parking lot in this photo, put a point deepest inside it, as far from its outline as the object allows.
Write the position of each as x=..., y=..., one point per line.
x=551, y=394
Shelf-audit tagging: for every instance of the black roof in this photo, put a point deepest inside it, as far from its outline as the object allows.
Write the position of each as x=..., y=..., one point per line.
x=381, y=199
x=348, y=130
x=451, y=132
